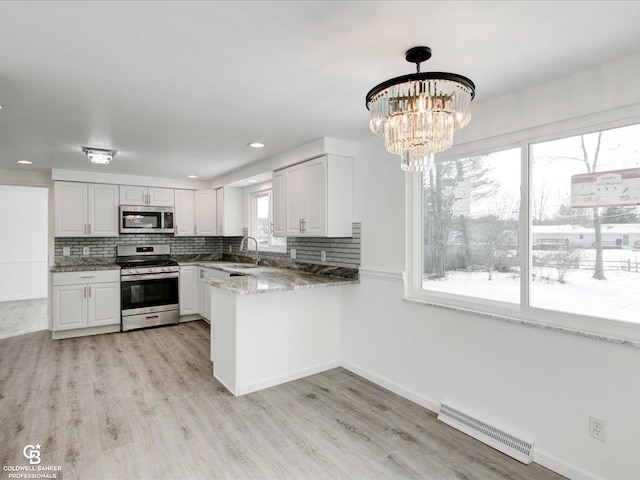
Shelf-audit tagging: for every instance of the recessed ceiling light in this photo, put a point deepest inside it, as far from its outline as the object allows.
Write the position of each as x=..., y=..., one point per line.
x=192, y=176
x=25, y=162
x=256, y=145
x=252, y=181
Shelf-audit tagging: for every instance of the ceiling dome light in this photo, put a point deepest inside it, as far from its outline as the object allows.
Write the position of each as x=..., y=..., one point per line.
x=25, y=162
x=256, y=145
x=418, y=113
x=192, y=176
x=99, y=155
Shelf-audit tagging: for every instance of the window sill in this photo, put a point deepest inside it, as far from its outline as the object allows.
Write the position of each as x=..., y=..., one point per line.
x=526, y=322
x=273, y=249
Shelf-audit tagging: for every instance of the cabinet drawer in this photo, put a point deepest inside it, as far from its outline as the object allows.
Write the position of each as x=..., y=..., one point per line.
x=90, y=276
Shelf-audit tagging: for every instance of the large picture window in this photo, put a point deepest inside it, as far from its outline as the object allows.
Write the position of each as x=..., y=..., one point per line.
x=471, y=209
x=547, y=232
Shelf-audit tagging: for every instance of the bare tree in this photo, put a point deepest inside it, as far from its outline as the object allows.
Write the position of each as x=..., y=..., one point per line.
x=591, y=164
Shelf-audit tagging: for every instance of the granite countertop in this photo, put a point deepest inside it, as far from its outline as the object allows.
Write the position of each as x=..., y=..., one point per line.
x=84, y=264
x=268, y=279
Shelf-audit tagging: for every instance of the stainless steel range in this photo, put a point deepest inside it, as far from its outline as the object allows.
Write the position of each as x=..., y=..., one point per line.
x=149, y=286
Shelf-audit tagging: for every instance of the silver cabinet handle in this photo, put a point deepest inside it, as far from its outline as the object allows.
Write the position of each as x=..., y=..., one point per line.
x=89, y=228
x=300, y=225
x=88, y=276
x=195, y=231
x=90, y=288
x=271, y=228
x=85, y=228
x=85, y=291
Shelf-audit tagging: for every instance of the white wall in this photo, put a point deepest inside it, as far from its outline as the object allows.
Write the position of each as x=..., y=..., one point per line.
x=538, y=383
x=23, y=243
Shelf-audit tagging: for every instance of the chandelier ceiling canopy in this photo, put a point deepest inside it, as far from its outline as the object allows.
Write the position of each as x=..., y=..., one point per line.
x=418, y=113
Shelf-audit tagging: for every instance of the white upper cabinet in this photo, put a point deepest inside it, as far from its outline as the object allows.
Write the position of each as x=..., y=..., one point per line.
x=103, y=212
x=229, y=211
x=183, y=214
x=278, y=198
x=135, y=195
x=205, y=213
x=318, y=198
x=85, y=210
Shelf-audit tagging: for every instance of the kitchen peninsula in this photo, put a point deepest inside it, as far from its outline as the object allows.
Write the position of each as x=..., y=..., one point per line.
x=272, y=325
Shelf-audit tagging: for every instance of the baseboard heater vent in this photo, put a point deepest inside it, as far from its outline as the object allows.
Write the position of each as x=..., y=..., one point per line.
x=508, y=444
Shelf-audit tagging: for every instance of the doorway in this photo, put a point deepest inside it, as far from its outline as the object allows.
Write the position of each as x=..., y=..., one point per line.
x=23, y=259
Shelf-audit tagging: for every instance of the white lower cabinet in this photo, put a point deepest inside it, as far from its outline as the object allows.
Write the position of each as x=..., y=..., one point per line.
x=86, y=300
x=204, y=298
x=189, y=290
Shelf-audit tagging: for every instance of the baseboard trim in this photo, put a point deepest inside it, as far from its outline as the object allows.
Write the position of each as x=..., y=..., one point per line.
x=407, y=393
x=540, y=457
x=83, y=332
x=287, y=377
x=13, y=298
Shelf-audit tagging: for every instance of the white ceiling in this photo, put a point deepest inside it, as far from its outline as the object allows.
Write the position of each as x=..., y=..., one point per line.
x=180, y=88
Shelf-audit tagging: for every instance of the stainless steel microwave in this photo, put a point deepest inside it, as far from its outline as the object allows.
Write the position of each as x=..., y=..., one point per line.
x=144, y=219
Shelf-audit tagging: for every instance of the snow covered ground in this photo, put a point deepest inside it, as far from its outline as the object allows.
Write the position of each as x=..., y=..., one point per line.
x=617, y=297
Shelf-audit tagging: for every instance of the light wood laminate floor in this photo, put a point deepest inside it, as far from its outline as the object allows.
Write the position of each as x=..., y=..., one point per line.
x=23, y=316
x=144, y=404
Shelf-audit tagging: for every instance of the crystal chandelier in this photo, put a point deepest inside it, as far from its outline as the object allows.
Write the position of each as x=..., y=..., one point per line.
x=418, y=113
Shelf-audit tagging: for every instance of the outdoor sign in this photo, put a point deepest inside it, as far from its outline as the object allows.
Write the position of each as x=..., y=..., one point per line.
x=462, y=198
x=606, y=189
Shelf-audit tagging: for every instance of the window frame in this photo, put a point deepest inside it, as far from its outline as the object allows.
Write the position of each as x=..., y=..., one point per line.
x=615, y=330
x=253, y=195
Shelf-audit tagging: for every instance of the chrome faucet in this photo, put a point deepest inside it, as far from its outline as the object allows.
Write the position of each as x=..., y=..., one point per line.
x=256, y=242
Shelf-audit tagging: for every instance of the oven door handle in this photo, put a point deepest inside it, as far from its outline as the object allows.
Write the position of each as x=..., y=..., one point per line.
x=151, y=276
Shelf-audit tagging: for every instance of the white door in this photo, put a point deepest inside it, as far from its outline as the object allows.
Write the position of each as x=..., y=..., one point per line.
x=188, y=288
x=103, y=214
x=70, y=204
x=278, y=199
x=160, y=197
x=69, y=307
x=205, y=213
x=183, y=213
x=294, y=201
x=315, y=197
x=103, y=304
x=133, y=195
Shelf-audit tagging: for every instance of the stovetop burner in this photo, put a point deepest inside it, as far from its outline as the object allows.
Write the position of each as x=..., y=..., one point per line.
x=128, y=262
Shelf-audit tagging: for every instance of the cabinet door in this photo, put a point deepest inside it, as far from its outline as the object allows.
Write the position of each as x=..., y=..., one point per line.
x=103, y=304
x=315, y=197
x=183, y=213
x=103, y=202
x=205, y=213
x=189, y=280
x=294, y=207
x=204, y=296
x=278, y=198
x=160, y=197
x=69, y=307
x=133, y=195
x=220, y=211
x=70, y=203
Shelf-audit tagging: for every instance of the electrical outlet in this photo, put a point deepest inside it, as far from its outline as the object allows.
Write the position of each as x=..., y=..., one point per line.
x=293, y=253
x=597, y=428
x=323, y=256
x=66, y=251
x=85, y=250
